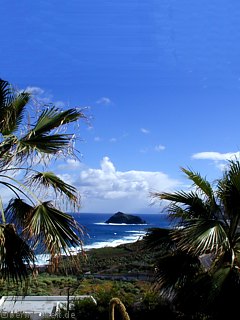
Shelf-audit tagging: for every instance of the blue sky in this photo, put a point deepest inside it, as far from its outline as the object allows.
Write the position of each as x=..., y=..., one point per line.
x=160, y=79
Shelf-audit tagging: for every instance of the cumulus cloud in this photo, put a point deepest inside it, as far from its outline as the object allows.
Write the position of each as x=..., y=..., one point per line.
x=107, y=189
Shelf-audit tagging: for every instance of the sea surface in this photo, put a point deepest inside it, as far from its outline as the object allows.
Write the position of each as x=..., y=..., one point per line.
x=99, y=234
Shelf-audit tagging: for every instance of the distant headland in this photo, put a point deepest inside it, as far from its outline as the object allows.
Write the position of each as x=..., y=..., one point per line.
x=121, y=217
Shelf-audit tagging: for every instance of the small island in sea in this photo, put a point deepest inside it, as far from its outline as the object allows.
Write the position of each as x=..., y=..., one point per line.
x=121, y=217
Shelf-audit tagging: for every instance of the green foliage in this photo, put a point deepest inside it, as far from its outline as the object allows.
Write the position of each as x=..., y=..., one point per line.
x=199, y=271
x=30, y=140
x=86, y=309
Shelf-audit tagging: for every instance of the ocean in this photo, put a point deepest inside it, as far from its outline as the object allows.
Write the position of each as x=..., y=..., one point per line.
x=100, y=234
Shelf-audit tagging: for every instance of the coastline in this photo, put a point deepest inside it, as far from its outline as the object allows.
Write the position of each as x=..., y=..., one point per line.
x=100, y=234
x=43, y=259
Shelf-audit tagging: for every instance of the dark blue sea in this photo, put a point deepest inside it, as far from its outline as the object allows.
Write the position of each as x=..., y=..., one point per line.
x=100, y=234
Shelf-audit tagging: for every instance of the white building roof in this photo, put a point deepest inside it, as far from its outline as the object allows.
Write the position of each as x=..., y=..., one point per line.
x=36, y=306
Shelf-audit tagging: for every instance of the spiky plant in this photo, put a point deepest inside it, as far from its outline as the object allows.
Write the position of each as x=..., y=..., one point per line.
x=29, y=221
x=200, y=269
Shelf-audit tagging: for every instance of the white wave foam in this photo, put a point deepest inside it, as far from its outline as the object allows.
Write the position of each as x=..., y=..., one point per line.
x=136, y=231
x=120, y=224
x=113, y=242
x=43, y=259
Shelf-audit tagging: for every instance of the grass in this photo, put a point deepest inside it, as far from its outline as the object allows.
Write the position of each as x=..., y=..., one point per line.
x=46, y=284
x=70, y=279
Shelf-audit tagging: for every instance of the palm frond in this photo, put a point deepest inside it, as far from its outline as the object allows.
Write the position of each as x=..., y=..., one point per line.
x=214, y=294
x=53, y=118
x=41, y=138
x=202, y=236
x=18, y=212
x=229, y=194
x=188, y=204
x=49, y=179
x=50, y=144
x=16, y=257
x=12, y=106
x=13, y=114
x=158, y=239
x=174, y=271
x=5, y=93
x=7, y=150
x=225, y=292
x=56, y=231
x=201, y=183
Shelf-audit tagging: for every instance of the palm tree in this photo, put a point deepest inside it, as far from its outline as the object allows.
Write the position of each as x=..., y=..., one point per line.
x=199, y=270
x=30, y=219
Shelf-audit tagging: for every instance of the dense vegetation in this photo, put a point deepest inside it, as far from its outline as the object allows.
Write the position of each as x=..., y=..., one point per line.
x=137, y=295
x=199, y=271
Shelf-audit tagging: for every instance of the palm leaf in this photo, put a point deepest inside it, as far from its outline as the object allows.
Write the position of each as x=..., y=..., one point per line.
x=228, y=192
x=52, y=118
x=225, y=292
x=49, y=179
x=188, y=204
x=40, y=139
x=50, y=144
x=12, y=106
x=56, y=232
x=16, y=257
x=18, y=212
x=174, y=271
x=13, y=114
x=202, y=236
x=158, y=239
x=216, y=294
x=203, y=185
x=7, y=150
x=5, y=92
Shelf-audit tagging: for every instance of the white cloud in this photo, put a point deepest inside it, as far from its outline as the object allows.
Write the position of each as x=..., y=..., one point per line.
x=43, y=97
x=70, y=164
x=159, y=148
x=34, y=90
x=216, y=156
x=108, y=190
x=67, y=178
x=104, y=101
x=219, y=159
x=145, y=131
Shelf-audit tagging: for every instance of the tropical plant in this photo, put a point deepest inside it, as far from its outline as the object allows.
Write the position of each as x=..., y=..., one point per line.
x=199, y=270
x=30, y=219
